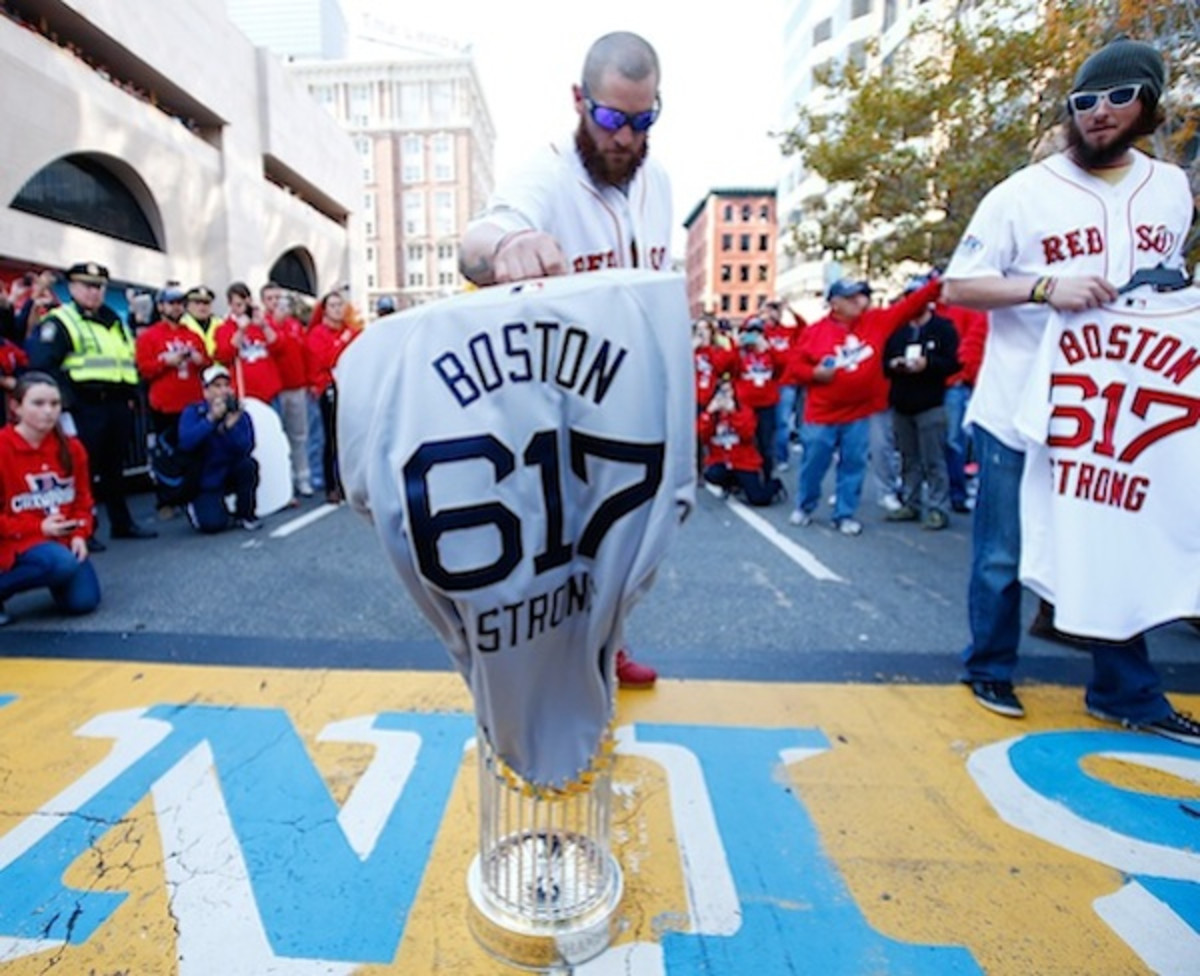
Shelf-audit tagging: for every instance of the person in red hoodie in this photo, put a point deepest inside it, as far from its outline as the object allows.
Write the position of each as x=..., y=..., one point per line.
x=45, y=503
x=292, y=359
x=838, y=360
x=782, y=337
x=731, y=459
x=245, y=343
x=332, y=328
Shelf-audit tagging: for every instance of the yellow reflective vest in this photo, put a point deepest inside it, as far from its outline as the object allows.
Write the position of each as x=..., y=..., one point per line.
x=99, y=354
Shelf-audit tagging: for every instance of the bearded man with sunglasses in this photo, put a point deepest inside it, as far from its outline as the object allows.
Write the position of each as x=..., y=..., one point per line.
x=1064, y=233
x=592, y=202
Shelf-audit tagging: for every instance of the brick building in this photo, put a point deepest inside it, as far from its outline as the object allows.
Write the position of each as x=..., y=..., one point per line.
x=730, y=257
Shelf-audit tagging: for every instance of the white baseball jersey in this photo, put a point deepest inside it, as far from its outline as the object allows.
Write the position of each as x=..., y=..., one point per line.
x=596, y=226
x=1053, y=218
x=525, y=453
x=1110, y=511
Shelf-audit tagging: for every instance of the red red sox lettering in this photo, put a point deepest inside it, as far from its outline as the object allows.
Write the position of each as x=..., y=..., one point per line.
x=657, y=260
x=1089, y=240
x=1075, y=426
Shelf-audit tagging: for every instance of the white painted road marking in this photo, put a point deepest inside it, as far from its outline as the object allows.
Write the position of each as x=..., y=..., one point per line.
x=795, y=552
x=296, y=524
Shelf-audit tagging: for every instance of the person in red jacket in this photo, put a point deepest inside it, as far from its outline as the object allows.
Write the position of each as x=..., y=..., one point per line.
x=292, y=359
x=245, y=343
x=45, y=503
x=972, y=327
x=170, y=358
x=838, y=359
x=756, y=380
x=330, y=331
x=731, y=459
x=783, y=337
x=710, y=360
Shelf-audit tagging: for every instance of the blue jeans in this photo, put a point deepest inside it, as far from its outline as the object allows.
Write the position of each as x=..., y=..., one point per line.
x=785, y=412
x=73, y=584
x=957, y=398
x=316, y=444
x=885, y=460
x=820, y=440
x=1124, y=683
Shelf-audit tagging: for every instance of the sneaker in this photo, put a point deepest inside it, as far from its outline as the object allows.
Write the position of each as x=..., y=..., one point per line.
x=630, y=674
x=848, y=526
x=304, y=489
x=998, y=697
x=962, y=507
x=799, y=517
x=905, y=513
x=1177, y=726
x=250, y=524
x=890, y=502
x=936, y=520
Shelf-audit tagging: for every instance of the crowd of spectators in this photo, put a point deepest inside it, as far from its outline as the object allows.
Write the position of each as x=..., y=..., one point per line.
x=191, y=371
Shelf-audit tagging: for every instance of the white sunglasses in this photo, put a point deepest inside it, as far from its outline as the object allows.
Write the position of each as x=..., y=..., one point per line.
x=1086, y=101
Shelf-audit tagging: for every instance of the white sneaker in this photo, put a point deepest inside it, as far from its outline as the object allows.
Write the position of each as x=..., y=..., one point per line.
x=849, y=526
x=890, y=503
x=781, y=466
x=799, y=518
x=305, y=489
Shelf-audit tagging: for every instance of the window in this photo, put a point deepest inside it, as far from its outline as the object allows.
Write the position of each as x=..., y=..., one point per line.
x=745, y=212
x=416, y=252
x=823, y=31
x=366, y=151
x=443, y=157
x=443, y=213
x=445, y=252
x=416, y=279
x=360, y=105
x=889, y=13
x=724, y=303
x=83, y=192
x=414, y=213
x=727, y=272
x=857, y=54
x=764, y=212
x=860, y=8
x=744, y=242
x=370, y=281
x=728, y=211
x=743, y=272
x=764, y=272
x=764, y=242
x=412, y=155
x=441, y=102
x=327, y=98
x=743, y=303
x=820, y=73
x=726, y=242
x=445, y=278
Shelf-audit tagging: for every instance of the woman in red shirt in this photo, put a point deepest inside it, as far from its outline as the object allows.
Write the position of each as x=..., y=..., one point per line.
x=332, y=328
x=731, y=458
x=45, y=503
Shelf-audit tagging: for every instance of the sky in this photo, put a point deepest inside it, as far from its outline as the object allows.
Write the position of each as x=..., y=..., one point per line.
x=718, y=108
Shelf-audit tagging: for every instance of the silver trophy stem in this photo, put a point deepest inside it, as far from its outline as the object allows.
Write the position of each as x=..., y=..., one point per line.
x=544, y=888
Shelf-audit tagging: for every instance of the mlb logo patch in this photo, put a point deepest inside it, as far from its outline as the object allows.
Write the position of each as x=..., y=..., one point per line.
x=970, y=244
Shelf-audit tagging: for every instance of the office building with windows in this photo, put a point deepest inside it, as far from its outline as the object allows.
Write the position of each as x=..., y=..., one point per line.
x=730, y=255
x=158, y=141
x=425, y=143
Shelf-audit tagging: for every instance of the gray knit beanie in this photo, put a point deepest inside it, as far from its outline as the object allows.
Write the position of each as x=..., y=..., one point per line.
x=1123, y=62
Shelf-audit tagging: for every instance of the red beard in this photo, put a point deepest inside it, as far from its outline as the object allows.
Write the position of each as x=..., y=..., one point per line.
x=599, y=168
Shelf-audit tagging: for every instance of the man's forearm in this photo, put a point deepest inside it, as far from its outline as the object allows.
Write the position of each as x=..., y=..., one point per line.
x=986, y=293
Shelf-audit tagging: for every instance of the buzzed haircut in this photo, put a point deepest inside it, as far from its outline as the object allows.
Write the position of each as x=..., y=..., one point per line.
x=628, y=54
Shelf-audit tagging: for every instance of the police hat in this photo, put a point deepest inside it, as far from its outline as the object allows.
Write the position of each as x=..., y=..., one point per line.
x=88, y=272
x=200, y=293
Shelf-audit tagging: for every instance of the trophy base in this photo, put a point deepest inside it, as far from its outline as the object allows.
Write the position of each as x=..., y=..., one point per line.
x=545, y=943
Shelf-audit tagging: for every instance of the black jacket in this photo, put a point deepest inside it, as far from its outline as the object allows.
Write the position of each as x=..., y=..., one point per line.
x=913, y=393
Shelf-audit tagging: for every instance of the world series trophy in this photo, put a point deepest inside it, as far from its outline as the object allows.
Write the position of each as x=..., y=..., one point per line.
x=525, y=454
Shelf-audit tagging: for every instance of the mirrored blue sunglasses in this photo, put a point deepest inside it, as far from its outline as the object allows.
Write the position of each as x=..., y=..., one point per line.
x=1086, y=101
x=613, y=119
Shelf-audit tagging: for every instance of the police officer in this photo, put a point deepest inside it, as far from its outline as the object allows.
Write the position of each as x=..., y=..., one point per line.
x=90, y=351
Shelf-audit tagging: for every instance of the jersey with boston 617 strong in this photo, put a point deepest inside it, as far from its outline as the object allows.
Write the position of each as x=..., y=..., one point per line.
x=1110, y=512
x=525, y=453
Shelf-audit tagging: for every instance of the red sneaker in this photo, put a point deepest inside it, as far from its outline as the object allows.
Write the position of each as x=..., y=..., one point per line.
x=630, y=674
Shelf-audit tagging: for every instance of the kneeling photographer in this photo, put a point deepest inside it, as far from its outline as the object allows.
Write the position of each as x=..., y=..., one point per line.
x=220, y=435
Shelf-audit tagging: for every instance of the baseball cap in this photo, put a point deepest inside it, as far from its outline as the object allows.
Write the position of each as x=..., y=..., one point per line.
x=386, y=305
x=214, y=373
x=1123, y=62
x=847, y=288
x=88, y=272
x=172, y=293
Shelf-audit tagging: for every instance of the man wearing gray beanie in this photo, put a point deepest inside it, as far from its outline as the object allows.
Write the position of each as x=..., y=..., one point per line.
x=1061, y=234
